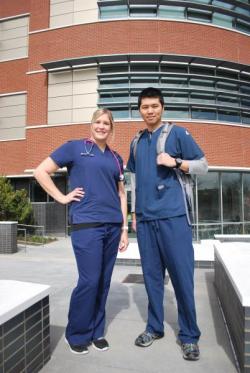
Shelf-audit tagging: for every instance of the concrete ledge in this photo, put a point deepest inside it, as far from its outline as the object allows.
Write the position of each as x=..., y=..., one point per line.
x=232, y=237
x=203, y=254
x=232, y=263
x=24, y=326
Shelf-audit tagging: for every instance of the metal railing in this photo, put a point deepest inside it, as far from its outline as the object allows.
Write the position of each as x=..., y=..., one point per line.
x=32, y=234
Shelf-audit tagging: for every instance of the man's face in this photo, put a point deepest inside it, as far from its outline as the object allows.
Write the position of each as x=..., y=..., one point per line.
x=151, y=111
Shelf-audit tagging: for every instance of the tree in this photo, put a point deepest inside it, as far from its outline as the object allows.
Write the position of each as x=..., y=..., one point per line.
x=14, y=205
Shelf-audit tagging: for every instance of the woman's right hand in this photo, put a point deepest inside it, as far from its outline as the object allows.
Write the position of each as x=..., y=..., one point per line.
x=75, y=195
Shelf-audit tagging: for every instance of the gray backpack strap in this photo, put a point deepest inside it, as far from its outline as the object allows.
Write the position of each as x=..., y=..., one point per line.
x=186, y=183
x=160, y=146
x=185, y=180
x=135, y=141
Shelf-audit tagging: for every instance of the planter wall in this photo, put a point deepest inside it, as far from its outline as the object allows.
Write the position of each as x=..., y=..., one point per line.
x=8, y=237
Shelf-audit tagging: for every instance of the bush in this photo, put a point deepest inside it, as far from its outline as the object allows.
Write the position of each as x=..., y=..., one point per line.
x=14, y=205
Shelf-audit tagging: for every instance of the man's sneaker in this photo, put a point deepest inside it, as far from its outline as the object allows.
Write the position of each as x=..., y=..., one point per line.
x=145, y=339
x=190, y=351
x=77, y=349
x=100, y=344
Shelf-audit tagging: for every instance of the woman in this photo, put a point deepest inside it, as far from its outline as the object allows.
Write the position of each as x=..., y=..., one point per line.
x=98, y=215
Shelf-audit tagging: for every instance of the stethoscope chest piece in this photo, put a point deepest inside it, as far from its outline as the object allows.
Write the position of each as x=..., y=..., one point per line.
x=87, y=151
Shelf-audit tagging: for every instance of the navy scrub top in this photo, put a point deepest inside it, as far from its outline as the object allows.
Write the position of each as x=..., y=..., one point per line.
x=158, y=191
x=98, y=173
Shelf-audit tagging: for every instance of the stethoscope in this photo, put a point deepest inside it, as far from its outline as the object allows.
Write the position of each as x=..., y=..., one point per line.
x=88, y=147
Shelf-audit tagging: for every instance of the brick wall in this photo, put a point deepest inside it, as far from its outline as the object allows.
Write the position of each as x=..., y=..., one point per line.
x=141, y=37
x=223, y=145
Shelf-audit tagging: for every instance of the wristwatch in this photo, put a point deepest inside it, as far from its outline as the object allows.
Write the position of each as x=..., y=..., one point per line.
x=178, y=162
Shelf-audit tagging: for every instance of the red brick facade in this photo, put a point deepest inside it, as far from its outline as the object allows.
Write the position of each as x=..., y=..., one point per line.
x=224, y=145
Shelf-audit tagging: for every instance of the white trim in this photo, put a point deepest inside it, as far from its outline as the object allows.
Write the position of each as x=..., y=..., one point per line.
x=13, y=93
x=21, y=139
x=140, y=19
x=55, y=125
x=14, y=59
x=63, y=26
x=36, y=72
x=18, y=176
x=14, y=17
x=227, y=168
x=139, y=120
x=31, y=170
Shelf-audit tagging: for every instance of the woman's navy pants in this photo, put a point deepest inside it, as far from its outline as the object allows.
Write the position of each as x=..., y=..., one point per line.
x=95, y=251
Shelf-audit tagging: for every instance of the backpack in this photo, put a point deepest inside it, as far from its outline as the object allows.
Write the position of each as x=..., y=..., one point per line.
x=184, y=179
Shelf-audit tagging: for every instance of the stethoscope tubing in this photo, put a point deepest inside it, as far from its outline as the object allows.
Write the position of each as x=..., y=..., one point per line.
x=89, y=154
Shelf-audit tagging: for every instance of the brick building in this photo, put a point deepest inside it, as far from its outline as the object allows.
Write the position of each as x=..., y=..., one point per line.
x=60, y=59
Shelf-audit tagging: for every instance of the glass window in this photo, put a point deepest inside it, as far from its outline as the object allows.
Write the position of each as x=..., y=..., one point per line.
x=200, y=70
x=231, y=195
x=180, y=69
x=245, y=88
x=177, y=112
x=212, y=97
x=208, y=198
x=199, y=15
x=143, y=11
x=245, y=102
x=246, y=196
x=245, y=118
x=117, y=11
x=203, y=113
x=170, y=81
x=174, y=12
x=37, y=194
x=228, y=116
x=176, y=96
x=228, y=100
x=202, y=98
x=242, y=26
x=222, y=20
x=226, y=86
x=114, y=97
x=201, y=83
x=120, y=113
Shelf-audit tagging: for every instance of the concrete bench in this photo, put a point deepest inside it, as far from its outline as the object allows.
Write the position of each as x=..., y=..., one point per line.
x=24, y=326
x=232, y=237
x=232, y=282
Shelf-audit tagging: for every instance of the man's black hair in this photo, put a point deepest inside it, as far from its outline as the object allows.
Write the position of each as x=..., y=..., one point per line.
x=151, y=92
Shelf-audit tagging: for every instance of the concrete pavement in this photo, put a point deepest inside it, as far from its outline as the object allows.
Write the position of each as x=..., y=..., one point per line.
x=54, y=265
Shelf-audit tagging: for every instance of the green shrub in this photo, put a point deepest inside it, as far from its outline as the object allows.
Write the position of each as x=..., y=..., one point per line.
x=14, y=205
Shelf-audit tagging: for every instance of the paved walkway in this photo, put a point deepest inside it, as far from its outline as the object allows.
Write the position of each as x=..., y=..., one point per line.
x=54, y=264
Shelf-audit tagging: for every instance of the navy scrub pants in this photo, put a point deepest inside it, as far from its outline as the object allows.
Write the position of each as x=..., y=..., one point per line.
x=95, y=251
x=167, y=244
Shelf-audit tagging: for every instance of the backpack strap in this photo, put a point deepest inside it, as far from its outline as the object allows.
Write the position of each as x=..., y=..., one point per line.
x=136, y=139
x=160, y=146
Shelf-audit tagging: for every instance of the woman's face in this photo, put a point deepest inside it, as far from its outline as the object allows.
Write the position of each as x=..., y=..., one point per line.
x=101, y=128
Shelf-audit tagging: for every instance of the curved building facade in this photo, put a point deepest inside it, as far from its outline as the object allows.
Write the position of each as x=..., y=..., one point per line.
x=61, y=59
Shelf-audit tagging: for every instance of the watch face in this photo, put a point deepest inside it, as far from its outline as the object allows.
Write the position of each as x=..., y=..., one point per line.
x=178, y=162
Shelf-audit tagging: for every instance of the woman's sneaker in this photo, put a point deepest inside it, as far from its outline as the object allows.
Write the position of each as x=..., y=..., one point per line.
x=77, y=349
x=145, y=339
x=100, y=344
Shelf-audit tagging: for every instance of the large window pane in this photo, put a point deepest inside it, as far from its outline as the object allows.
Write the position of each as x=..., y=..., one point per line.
x=208, y=198
x=246, y=196
x=231, y=195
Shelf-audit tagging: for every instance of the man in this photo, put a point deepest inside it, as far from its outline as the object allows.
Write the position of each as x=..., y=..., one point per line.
x=164, y=235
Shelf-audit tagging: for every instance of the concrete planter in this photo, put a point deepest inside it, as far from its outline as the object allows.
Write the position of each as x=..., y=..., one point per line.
x=8, y=237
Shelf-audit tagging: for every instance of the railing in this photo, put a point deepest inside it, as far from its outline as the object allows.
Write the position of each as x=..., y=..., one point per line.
x=31, y=234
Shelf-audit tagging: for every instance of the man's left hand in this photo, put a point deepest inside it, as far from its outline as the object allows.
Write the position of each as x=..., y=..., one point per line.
x=164, y=159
